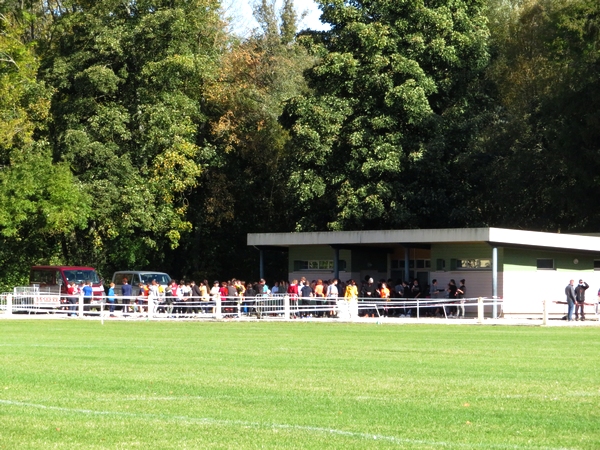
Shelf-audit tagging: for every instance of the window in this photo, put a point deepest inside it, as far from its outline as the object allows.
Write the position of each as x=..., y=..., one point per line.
x=545, y=264
x=472, y=264
x=42, y=276
x=317, y=264
x=423, y=263
x=398, y=264
x=80, y=275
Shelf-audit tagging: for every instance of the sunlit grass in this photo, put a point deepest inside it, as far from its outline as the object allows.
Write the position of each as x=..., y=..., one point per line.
x=79, y=384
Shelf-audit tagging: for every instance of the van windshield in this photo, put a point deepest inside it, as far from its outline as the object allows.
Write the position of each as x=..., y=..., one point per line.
x=161, y=278
x=82, y=275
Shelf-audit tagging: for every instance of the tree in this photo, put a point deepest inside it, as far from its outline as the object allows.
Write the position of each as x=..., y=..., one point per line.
x=377, y=144
x=537, y=161
x=129, y=119
x=244, y=189
x=40, y=201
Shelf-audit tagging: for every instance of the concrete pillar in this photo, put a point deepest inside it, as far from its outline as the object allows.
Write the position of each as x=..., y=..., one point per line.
x=406, y=264
x=262, y=263
x=495, y=281
x=336, y=263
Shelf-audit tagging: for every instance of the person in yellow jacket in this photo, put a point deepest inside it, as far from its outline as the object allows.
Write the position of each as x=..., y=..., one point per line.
x=351, y=293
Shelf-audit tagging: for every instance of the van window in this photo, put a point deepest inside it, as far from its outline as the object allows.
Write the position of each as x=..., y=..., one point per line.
x=42, y=276
x=119, y=278
x=81, y=275
x=160, y=278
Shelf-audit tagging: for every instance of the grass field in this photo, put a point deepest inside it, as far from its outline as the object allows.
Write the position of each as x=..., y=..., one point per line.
x=69, y=384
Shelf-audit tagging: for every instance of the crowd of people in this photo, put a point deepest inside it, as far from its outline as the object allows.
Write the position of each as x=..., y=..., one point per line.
x=314, y=298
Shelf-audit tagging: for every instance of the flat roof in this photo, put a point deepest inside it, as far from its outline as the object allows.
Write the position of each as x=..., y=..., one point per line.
x=494, y=236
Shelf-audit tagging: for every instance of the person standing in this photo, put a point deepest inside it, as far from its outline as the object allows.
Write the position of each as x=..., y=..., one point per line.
x=306, y=294
x=580, y=299
x=204, y=297
x=111, y=299
x=351, y=292
x=434, y=292
x=318, y=294
x=126, y=292
x=72, y=297
x=570, y=293
x=332, y=295
x=461, y=291
x=293, y=293
x=384, y=295
x=196, y=296
x=185, y=289
x=367, y=293
x=215, y=294
x=87, y=294
x=452, y=295
x=153, y=297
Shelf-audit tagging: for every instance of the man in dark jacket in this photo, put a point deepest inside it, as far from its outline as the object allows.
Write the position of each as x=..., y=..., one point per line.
x=580, y=298
x=196, y=296
x=570, y=293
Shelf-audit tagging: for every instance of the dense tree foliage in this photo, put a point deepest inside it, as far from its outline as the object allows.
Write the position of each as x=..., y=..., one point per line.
x=40, y=199
x=129, y=118
x=244, y=190
x=144, y=134
x=377, y=142
x=537, y=162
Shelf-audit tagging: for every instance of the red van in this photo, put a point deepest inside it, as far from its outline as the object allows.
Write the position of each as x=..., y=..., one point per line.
x=49, y=278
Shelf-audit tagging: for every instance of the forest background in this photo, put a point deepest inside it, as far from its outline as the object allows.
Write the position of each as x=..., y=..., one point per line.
x=146, y=134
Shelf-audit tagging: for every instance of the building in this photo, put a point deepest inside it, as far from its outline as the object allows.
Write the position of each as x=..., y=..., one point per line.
x=521, y=267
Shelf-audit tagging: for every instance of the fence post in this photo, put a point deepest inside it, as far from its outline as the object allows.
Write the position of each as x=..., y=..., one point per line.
x=418, y=312
x=9, y=298
x=80, y=305
x=286, y=307
x=544, y=313
x=480, y=310
x=218, y=313
x=151, y=306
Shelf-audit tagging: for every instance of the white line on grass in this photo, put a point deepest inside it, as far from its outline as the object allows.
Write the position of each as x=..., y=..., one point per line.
x=225, y=422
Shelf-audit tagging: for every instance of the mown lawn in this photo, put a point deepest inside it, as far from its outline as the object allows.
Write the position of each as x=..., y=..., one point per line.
x=69, y=384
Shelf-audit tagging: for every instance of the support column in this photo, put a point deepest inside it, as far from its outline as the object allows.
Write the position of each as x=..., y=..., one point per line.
x=495, y=281
x=262, y=263
x=336, y=263
x=406, y=264
x=389, y=268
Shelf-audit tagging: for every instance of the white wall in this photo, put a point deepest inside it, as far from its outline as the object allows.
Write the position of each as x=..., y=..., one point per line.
x=525, y=291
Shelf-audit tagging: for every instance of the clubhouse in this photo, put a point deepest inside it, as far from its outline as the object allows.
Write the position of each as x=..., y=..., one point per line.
x=521, y=267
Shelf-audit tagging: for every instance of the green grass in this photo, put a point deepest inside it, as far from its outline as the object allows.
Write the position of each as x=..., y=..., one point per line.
x=68, y=384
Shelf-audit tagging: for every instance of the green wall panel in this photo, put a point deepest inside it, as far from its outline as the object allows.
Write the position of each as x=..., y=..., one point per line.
x=526, y=260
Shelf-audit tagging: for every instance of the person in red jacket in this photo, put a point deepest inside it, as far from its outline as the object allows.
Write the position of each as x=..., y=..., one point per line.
x=292, y=291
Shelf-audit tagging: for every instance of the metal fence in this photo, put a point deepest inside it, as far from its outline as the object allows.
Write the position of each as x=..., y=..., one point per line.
x=29, y=300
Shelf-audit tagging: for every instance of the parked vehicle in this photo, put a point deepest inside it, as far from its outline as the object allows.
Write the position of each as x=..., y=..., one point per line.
x=135, y=277
x=55, y=279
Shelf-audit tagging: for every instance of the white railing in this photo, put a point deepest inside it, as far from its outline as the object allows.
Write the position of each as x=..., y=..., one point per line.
x=268, y=306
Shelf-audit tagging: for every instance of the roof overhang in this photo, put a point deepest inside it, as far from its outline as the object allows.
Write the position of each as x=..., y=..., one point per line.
x=493, y=236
